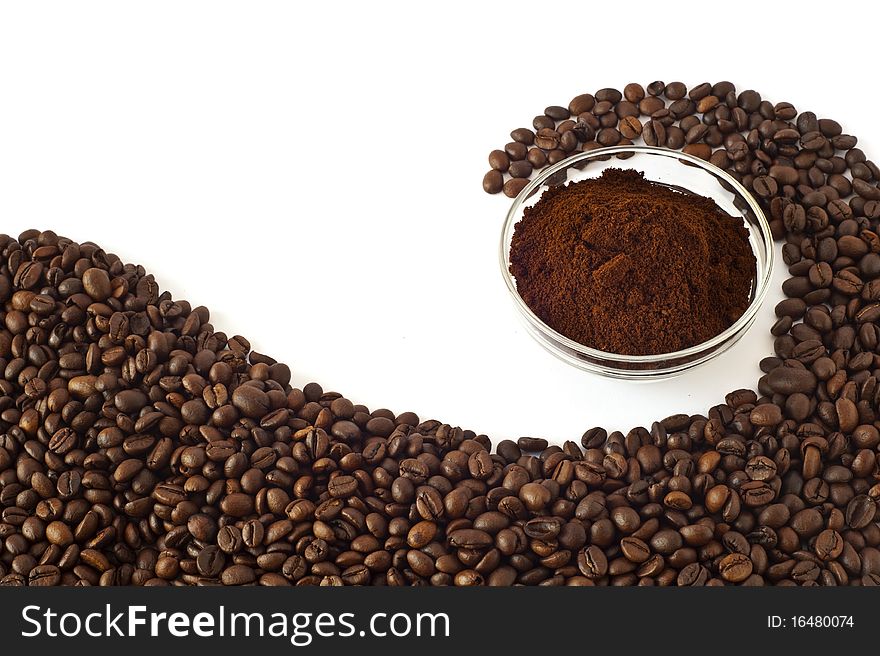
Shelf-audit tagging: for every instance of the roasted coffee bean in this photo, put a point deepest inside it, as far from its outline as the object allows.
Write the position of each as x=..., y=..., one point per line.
x=342, y=486
x=693, y=574
x=238, y=575
x=532, y=443
x=557, y=113
x=547, y=139
x=520, y=169
x=96, y=283
x=210, y=561
x=470, y=539
x=635, y=549
x=44, y=575
x=535, y=496
x=789, y=380
x=592, y=562
x=580, y=104
x=828, y=545
x=513, y=186
x=515, y=150
x=251, y=401
x=735, y=567
x=523, y=136
x=537, y=158
x=860, y=511
x=630, y=127
x=767, y=414
x=498, y=161
x=493, y=182
x=761, y=468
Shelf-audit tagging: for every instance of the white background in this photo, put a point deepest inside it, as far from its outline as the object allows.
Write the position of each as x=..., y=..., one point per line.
x=311, y=171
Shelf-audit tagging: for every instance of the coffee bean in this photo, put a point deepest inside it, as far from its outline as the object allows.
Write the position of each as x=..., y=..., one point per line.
x=789, y=380
x=96, y=283
x=626, y=519
x=238, y=575
x=761, y=468
x=547, y=138
x=707, y=103
x=59, y=533
x=767, y=414
x=515, y=151
x=536, y=158
x=860, y=511
x=568, y=141
x=702, y=151
x=513, y=186
x=608, y=136
x=543, y=121
x=557, y=113
x=580, y=104
x=44, y=575
x=532, y=443
x=470, y=539
x=736, y=542
x=523, y=136
x=520, y=169
x=210, y=561
x=829, y=127
x=693, y=574
x=237, y=504
x=666, y=541
x=630, y=127
x=735, y=567
x=757, y=493
x=592, y=562
x=468, y=577
x=421, y=534
x=229, y=539
x=677, y=500
x=805, y=570
x=28, y=275
x=635, y=549
x=535, y=496
x=498, y=161
x=251, y=401
x=480, y=465
x=493, y=182
x=765, y=186
x=342, y=486
x=828, y=545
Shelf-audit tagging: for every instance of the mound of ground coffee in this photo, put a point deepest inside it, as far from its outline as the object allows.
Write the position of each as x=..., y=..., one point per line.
x=629, y=266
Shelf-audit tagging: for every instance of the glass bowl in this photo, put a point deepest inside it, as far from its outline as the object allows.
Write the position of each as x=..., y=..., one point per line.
x=678, y=171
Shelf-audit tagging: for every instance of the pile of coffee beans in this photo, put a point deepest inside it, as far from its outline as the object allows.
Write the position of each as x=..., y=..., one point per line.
x=139, y=445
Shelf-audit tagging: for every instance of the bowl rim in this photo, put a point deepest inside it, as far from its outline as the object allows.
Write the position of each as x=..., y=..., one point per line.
x=733, y=330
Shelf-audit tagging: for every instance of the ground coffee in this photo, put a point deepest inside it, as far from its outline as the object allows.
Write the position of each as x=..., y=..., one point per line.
x=628, y=266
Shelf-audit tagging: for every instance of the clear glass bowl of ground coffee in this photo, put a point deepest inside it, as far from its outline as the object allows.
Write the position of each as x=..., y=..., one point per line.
x=636, y=262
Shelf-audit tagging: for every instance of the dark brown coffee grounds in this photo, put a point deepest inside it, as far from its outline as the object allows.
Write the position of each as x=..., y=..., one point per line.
x=629, y=266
